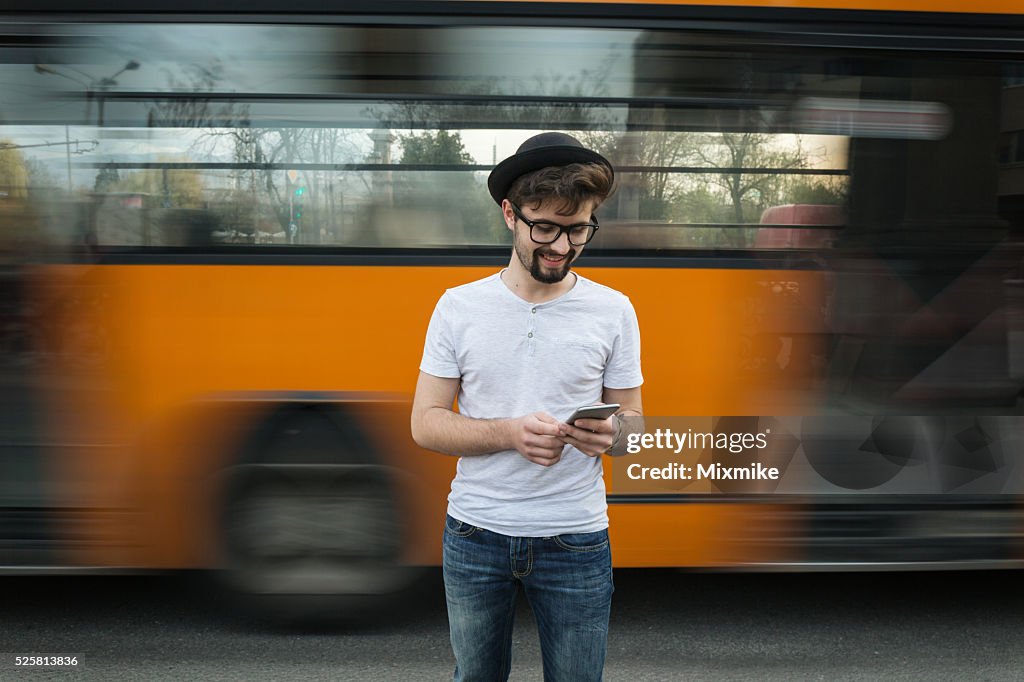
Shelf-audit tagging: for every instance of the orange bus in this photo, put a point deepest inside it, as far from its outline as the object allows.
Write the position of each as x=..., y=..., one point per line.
x=223, y=234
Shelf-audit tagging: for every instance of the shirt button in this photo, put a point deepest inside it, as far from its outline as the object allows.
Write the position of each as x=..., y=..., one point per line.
x=533, y=310
x=530, y=335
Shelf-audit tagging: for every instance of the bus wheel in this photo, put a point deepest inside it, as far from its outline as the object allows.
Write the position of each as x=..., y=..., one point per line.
x=309, y=522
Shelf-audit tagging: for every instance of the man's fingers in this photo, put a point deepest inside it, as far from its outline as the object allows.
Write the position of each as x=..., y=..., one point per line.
x=544, y=457
x=590, y=436
x=545, y=444
x=544, y=425
x=551, y=442
x=588, y=449
x=595, y=425
x=576, y=432
x=585, y=435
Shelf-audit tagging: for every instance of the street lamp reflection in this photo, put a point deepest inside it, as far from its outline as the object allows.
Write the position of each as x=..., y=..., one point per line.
x=93, y=86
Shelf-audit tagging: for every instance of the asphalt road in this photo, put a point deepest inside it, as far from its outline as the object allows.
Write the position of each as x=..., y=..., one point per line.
x=666, y=625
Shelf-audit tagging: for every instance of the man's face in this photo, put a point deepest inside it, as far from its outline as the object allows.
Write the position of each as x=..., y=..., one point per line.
x=546, y=263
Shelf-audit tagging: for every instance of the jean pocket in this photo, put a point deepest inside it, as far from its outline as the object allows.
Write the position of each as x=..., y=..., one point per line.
x=583, y=542
x=458, y=528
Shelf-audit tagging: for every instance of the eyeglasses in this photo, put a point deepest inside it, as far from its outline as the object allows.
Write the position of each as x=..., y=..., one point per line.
x=546, y=232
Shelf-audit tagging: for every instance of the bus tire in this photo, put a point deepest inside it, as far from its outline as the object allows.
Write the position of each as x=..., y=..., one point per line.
x=309, y=527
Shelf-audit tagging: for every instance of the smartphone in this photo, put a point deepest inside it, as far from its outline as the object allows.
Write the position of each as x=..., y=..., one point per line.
x=602, y=411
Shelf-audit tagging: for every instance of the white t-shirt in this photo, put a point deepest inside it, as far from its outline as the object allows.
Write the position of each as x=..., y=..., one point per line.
x=515, y=358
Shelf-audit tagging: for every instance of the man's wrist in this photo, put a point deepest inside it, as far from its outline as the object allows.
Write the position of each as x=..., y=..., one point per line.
x=622, y=428
x=509, y=433
x=618, y=434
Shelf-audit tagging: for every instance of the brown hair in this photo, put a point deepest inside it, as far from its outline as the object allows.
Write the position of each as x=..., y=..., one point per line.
x=572, y=185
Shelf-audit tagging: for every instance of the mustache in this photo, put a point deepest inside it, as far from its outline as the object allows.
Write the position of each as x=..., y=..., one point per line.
x=547, y=252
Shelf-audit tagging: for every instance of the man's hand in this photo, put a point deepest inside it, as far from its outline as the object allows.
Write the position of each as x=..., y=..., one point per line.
x=536, y=437
x=592, y=437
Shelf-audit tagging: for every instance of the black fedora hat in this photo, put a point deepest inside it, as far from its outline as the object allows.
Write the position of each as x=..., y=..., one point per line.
x=540, y=151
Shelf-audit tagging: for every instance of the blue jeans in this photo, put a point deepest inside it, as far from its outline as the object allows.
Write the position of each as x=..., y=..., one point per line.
x=567, y=580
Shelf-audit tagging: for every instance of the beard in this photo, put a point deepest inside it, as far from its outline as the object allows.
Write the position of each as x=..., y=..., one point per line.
x=538, y=270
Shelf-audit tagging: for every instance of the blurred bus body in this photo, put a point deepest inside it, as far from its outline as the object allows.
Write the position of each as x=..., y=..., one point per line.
x=222, y=237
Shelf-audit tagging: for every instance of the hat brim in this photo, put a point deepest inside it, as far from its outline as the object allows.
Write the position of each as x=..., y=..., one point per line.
x=506, y=172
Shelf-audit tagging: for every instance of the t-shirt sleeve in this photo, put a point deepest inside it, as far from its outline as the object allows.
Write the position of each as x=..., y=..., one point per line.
x=623, y=369
x=439, y=348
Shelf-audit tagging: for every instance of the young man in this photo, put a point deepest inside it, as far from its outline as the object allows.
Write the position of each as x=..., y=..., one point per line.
x=521, y=349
